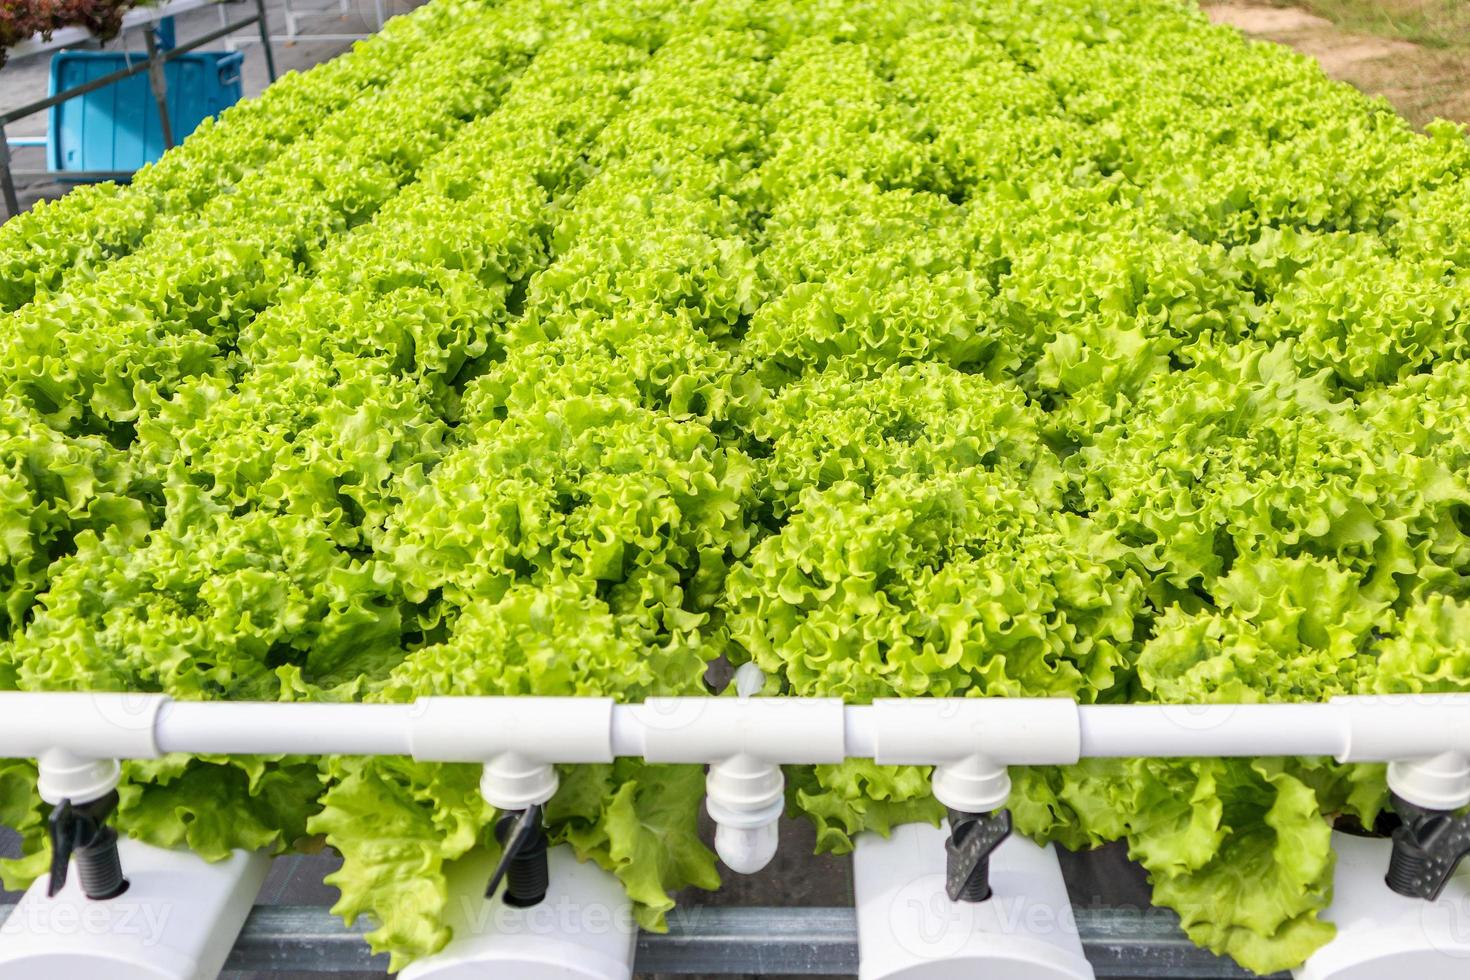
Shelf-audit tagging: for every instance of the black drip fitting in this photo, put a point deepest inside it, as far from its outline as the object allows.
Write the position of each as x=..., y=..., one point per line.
x=972, y=838
x=80, y=830
x=523, y=863
x=1427, y=847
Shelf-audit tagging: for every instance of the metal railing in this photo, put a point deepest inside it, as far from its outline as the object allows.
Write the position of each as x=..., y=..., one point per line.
x=153, y=65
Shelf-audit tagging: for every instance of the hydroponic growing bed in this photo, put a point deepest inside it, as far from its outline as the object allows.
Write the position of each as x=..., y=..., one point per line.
x=920, y=349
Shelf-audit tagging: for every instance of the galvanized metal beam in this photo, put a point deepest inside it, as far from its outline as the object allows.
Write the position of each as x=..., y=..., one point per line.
x=710, y=941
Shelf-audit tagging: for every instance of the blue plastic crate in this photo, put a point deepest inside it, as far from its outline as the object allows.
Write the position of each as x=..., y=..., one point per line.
x=117, y=127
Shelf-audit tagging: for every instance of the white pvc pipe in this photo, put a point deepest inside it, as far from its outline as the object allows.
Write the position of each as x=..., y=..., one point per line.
x=1402, y=726
x=860, y=731
x=1382, y=935
x=1173, y=731
x=908, y=929
x=777, y=730
x=292, y=728
x=178, y=919
x=1349, y=729
x=100, y=725
x=627, y=731
x=1008, y=731
x=774, y=730
x=448, y=729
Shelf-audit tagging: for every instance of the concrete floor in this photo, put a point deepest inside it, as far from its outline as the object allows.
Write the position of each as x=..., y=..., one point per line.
x=24, y=80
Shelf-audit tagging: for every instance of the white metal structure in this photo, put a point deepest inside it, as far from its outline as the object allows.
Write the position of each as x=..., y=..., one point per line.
x=908, y=929
x=177, y=920
x=295, y=15
x=583, y=930
x=1383, y=935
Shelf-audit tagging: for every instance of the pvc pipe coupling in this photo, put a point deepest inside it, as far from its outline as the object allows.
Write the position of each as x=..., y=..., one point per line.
x=1424, y=738
x=86, y=725
x=519, y=741
x=970, y=742
x=76, y=739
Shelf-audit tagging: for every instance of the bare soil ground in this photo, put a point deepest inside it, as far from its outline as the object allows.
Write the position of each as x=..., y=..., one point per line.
x=1424, y=78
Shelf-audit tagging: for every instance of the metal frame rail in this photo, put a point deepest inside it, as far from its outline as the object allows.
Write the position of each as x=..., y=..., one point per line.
x=153, y=65
x=710, y=941
x=295, y=17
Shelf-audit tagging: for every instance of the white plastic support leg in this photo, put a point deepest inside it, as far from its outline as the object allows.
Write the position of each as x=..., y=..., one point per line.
x=583, y=930
x=908, y=929
x=1383, y=934
x=177, y=920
